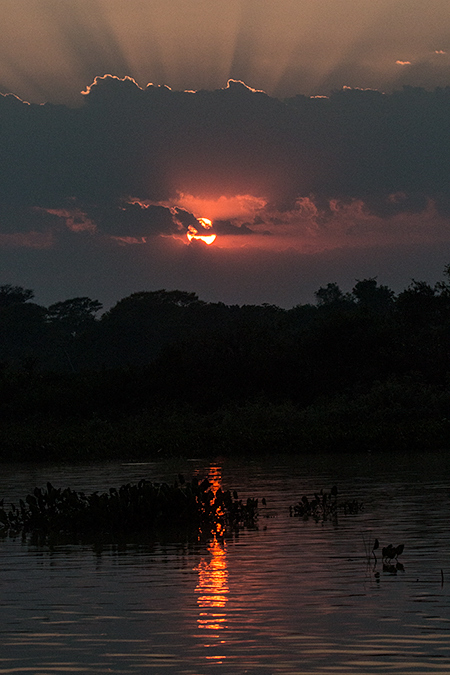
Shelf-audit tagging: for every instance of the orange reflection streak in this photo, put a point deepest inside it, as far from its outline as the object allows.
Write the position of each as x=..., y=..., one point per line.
x=212, y=587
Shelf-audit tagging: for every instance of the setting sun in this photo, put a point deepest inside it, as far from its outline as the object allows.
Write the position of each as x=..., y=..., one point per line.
x=192, y=232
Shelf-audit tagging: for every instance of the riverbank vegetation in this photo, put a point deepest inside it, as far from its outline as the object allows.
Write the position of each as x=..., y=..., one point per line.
x=164, y=373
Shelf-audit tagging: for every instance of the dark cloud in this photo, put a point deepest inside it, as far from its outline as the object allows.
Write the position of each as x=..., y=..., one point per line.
x=127, y=145
x=133, y=220
x=228, y=227
x=186, y=219
x=20, y=219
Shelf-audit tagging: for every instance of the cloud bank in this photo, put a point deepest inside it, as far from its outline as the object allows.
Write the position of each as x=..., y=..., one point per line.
x=137, y=167
x=138, y=162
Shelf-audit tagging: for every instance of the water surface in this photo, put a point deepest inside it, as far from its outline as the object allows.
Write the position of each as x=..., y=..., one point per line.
x=293, y=596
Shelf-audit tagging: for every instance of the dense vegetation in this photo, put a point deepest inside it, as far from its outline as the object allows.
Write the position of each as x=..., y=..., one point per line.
x=134, y=509
x=165, y=373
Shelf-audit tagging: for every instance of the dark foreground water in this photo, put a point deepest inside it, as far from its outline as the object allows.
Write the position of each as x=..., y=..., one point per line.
x=292, y=597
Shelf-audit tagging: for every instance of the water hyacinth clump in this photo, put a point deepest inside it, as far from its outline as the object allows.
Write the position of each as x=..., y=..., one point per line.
x=324, y=505
x=132, y=509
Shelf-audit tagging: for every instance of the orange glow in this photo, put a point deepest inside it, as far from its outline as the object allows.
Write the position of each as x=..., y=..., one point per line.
x=222, y=208
x=212, y=587
x=192, y=232
x=212, y=590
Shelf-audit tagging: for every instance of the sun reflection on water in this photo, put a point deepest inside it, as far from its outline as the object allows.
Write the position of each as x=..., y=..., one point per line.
x=212, y=596
x=212, y=588
x=215, y=477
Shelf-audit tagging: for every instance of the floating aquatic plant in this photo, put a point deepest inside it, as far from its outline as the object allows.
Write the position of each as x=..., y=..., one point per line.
x=388, y=554
x=131, y=509
x=324, y=505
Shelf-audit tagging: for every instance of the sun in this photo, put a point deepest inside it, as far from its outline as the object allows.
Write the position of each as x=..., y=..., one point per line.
x=192, y=232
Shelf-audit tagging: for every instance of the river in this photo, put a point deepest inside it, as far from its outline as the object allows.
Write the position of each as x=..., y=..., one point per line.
x=294, y=596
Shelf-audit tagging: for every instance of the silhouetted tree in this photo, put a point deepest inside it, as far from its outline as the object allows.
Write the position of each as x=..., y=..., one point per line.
x=73, y=315
x=11, y=295
x=23, y=332
x=146, y=301
x=417, y=304
x=168, y=347
x=371, y=296
x=331, y=297
x=329, y=294
x=138, y=326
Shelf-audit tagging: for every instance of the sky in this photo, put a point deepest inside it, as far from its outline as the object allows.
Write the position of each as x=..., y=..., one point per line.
x=248, y=151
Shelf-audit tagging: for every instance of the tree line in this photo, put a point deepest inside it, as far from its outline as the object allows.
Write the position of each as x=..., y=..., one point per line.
x=161, y=350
